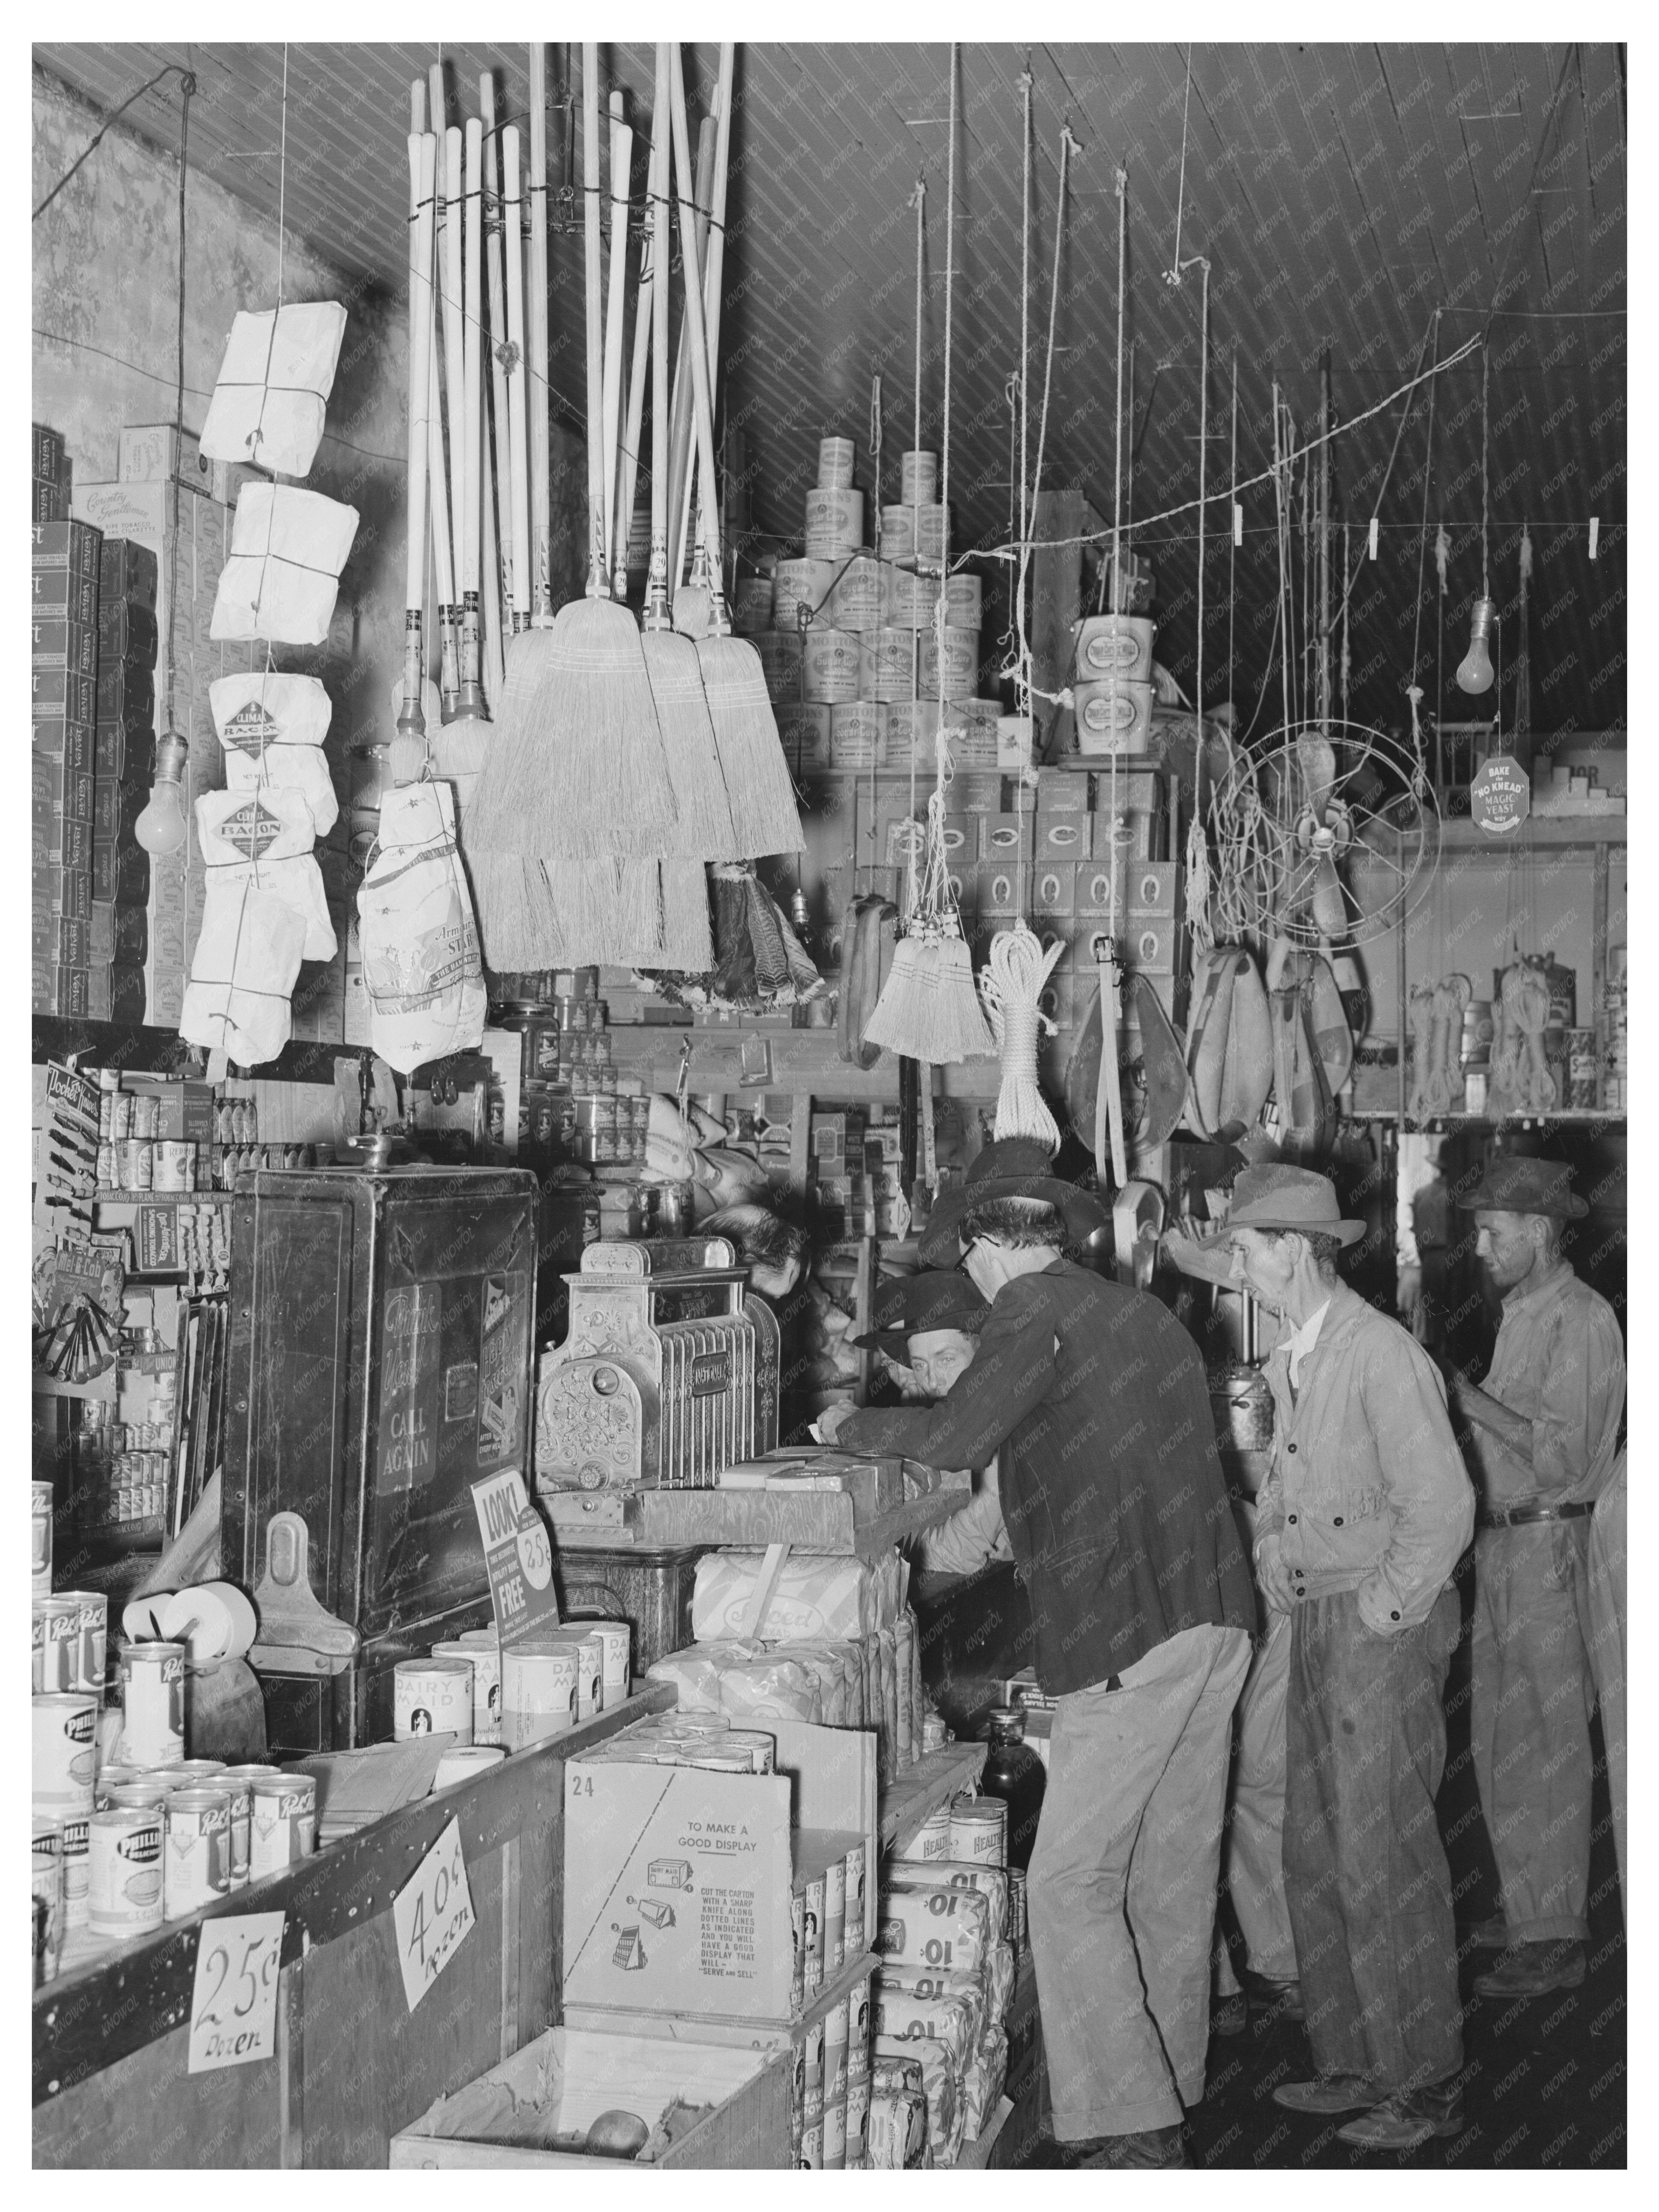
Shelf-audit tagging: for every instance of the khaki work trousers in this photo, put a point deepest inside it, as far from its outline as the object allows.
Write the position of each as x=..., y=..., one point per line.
x=1253, y=1850
x=1531, y=1696
x=1121, y=1894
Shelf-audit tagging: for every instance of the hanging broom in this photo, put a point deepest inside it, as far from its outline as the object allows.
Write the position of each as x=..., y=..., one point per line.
x=409, y=746
x=694, y=607
x=757, y=780
x=458, y=748
x=577, y=768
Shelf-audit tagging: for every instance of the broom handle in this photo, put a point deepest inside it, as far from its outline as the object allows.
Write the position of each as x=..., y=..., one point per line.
x=713, y=285
x=454, y=346
x=656, y=589
x=622, y=154
x=441, y=314
x=536, y=394
x=520, y=480
x=503, y=468
x=420, y=307
x=442, y=564
x=494, y=641
x=699, y=334
x=643, y=321
x=599, y=584
x=679, y=466
x=471, y=515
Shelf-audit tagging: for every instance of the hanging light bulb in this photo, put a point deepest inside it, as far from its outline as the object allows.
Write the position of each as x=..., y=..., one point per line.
x=1474, y=669
x=161, y=827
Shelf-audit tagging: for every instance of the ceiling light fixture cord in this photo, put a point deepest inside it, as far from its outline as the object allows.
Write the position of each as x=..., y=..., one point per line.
x=1415, y=689
x=1117, y=450
x=1485, y=580
x=918, y=200
x=1023, y=675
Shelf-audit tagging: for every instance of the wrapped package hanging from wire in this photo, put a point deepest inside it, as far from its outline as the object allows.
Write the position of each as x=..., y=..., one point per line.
x=271, y=728
x=271, y=395
x=286, y=554
x=420, y=942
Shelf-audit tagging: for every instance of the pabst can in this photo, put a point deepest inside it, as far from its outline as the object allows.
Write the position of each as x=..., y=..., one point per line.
x=196, y=1853
x=92, y=1618
x=153, y=1701
x=432, y=1697
x=40, y=1539
x=124, y=1871
x=60, y=1666
x=46, y=1878
x=65, y=1728
x=146, y=1794
x=37, y=1649
x=240, y=1781
x=284, y=1824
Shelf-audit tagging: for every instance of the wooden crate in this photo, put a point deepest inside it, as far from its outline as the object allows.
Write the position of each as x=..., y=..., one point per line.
x=598, y=2072
x=352, y=2064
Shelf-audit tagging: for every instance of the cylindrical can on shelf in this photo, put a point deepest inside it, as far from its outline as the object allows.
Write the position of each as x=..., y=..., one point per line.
x=858, y=2124
x=283, y=1824
x=752, y=605
x=432, y=1697
x=196, y=1851
x=953, y=672
x=240, y=1781
x=134, y=1162
x=538, y=1692
x=812, y=1955
x=616, y=1640
x=124, y=1871
x=858, y=730
x=171, y=1168
x=484, y=1658
x=979, y=1831
x=931, y=1840
x=152, y=1703
x=964, y=602
x=887, y=663
x=913, y=726
x=835, y=463
x=835, y=524
x=898, y=533
x=779, y=651
x=802, y=583
x=63, y=1729
x=60, y=1615
x=92, y=1642
x=74, y=1873
x=835, y=1917
x=853, y=1911
x=830, y=666
x=856, y=600
x=40, y=1539
x=919, y=479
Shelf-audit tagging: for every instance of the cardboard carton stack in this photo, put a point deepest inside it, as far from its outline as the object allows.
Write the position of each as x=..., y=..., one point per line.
x=188, y=560
x=64, y=683
x=123, y=765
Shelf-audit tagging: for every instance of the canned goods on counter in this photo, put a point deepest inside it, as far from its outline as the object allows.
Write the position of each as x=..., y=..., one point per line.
x=835, y=1917
x=124, y=1871
x=979, y=1831
x=135, y=1164
x=61, y=1659
x=40, y=1497
x=74, y=1873
x=432, y=1697
x=92, y=1611
x=615, y=1641
x=196, y=1851
x=47, y=1881
x=485, y=1659
x=110, y=1775
x=538, y=1692
x=63, y=1729
x=174, y=1164
x=762, y=1750
x=240, y=1781
x=931, y=1840
x=812, y=1934
x=284, y=1824
x=153, y=1703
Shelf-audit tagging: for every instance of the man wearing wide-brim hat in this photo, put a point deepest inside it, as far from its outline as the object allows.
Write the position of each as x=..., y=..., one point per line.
x=1360, y=1521
x=1544, y=1435
x=1142, y=1609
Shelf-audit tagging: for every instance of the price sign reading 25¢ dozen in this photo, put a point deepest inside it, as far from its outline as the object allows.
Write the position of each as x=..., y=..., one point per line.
x=233, y=2008
x=432, y=1914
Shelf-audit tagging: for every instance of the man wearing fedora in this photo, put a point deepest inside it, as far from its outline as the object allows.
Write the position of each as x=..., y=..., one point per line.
x=1544, y=1436
x=1360, y=1521
x=1142, y=1608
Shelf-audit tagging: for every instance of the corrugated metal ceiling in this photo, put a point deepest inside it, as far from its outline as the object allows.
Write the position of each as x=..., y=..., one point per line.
x=1340, y=194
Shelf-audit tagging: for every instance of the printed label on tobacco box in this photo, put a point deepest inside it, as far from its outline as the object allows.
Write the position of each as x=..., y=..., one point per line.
x=519, y=1554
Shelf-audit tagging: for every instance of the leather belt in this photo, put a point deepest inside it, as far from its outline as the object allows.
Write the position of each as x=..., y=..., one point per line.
x=1530, y=1517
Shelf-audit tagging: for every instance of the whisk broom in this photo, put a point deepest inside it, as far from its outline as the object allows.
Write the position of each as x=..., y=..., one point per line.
x=757, y=780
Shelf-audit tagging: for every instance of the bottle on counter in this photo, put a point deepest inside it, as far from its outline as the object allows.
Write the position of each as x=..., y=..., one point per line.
x=1014, y=1772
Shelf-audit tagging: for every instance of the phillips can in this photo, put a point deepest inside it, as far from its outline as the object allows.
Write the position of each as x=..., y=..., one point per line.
x=196, y=1851
x=240, y=1781
x=153, y=1703
x=46, y=1879
x=283, y=1824
x=65, y=1728
x=124, y=1871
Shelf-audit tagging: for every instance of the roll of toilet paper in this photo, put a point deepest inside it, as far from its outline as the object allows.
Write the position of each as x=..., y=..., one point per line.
x=214, y=1621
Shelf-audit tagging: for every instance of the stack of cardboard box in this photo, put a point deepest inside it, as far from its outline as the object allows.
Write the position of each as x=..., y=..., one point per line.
x=123, y=765
x=64, y=683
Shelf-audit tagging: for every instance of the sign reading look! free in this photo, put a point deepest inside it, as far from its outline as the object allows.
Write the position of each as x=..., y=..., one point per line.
x=519, y=1554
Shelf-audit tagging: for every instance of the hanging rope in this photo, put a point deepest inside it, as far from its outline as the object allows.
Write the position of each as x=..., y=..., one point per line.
x=1232, y=530
x=1023, y=678
x=1011, y=988
x=1068, y=146
x=1117, y=449
x=1415, y=689
x=1172, y=275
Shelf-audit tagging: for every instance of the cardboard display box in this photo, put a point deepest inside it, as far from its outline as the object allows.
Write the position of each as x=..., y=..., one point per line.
x=562, y=2082
x=715, y=1857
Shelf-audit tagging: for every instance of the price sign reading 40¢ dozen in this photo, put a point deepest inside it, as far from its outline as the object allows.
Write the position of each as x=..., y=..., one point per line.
x=432, y=1914
x=233, y=2008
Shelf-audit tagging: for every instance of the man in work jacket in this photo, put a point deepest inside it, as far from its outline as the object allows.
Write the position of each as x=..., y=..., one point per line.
x=1361, y=1520
x=1121, y=1528
x=1544, y=1434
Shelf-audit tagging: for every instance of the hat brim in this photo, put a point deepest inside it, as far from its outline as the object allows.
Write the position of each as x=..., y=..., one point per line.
x=892, y=1343
x=1346, y=1232
x=1570, y=1207
x=1081, y=1212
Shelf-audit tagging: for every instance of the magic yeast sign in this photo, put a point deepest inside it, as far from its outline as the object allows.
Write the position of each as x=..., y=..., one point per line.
x=519, y=1554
